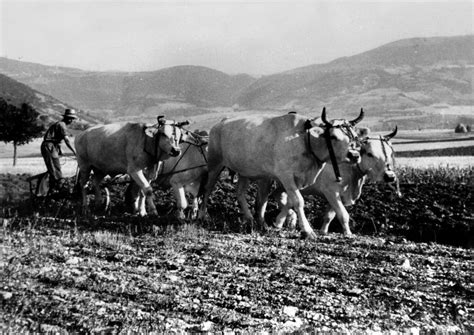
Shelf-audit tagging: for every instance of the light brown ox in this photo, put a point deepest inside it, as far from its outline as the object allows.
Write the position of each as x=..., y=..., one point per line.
x=125, y=148
x=184, y=174
x=377, y=164
x=288, y=148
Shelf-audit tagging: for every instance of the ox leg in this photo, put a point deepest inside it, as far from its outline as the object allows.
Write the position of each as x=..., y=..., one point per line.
x=242, y=187
x=282, y=199
x=264, y=186
x=193, y=189
x=83, y=179
x=181, y=202
x=195, y=208
x=291, y=217
x=144, y=185
x=328, y=216
x=213, y=174
x=135, y=199
x=287, y=214
x=296, y=199
x=96, y=179
x=139, y=205
x=341, y=213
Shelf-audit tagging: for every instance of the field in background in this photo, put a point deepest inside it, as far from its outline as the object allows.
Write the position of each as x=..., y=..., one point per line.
x=35, y=165
x=446, y=141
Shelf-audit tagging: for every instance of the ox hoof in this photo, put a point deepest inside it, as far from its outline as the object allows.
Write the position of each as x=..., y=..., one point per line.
x=323, y=232
x=311, y=235
x=246, y=221
x=275, y=228
x=179, y=214
x=291, y=221
x=204, y=217
x=349, y=235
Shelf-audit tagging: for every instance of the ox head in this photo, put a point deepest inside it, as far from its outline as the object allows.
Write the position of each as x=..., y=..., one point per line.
x=377, y=160
x=340, y=141
x=170, y=135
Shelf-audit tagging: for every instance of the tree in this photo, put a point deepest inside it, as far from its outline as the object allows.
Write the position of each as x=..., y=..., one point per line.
x=18, y=125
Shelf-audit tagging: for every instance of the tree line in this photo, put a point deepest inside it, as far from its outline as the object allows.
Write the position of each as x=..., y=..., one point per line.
x=19, y=124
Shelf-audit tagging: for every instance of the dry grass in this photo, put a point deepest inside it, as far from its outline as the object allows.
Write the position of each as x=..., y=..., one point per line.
x=461, y=162
x=35, y=165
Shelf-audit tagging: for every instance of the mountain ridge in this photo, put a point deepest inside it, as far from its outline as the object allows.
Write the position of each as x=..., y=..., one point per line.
x=404, y=75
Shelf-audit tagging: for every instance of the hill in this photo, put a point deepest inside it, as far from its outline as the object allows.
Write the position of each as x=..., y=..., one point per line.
x=397, y=81
x=49, y=108
x=112, y=94
x=414, y=83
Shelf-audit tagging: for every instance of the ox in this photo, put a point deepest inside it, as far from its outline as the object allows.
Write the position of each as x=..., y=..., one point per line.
x=120, y=148
x=184, y=174
x=288, y=148
x=376, y=164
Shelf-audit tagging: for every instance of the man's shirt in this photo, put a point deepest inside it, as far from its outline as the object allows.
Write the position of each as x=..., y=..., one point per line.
x=56, y=132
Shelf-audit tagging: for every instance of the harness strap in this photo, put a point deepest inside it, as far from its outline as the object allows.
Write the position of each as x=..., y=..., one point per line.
x=176, y=164
x=319, y=161
x=382, y=142
x=174, y=171
x=332, y=155
x=179, y=171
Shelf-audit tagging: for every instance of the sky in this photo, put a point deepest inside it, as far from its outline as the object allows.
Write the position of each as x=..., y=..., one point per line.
x=254, y=37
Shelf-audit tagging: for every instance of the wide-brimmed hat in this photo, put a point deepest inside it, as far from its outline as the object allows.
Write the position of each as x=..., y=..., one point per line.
x=70, y=114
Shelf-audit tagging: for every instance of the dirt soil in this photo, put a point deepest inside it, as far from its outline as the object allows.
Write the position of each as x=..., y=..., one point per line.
x=120, y=273
x=116, y=277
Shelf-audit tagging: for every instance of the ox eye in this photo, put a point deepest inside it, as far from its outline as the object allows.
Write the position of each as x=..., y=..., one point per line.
x=370, y=154
x=334, y=137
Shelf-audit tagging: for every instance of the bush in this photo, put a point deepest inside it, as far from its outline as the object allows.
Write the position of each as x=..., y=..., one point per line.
x=460, y=128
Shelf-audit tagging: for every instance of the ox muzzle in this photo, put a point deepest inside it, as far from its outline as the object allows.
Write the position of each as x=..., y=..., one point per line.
x=174, y=152
x=389, y=177
x=392, y=181
x=353, y=156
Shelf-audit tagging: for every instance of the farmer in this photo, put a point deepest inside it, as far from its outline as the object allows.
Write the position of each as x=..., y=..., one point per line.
x=51, y=148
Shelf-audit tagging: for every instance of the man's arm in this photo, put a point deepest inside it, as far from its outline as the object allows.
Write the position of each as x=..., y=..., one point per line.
x=68, y=143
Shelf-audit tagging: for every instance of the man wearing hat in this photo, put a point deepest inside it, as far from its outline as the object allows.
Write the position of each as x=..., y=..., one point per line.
x=51, y=148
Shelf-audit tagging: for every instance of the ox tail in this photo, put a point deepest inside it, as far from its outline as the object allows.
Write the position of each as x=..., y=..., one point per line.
x=77, y=183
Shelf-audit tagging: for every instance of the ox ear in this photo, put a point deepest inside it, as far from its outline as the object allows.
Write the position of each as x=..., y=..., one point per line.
x=151, y=131
x=362, y=132
x=316, y=132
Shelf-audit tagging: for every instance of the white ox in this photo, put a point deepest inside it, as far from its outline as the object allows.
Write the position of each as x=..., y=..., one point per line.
x=288, y=148
x=377, y=163
x=184, y=174
x=120, y=148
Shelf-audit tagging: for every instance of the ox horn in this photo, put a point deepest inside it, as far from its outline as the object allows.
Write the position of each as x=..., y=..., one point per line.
x=183, y=123
x=161, y=120
x=392, y=134
x=357, y=119
x=323, y=117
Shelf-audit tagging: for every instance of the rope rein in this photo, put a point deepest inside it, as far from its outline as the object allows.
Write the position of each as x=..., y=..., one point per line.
x=199, y=144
